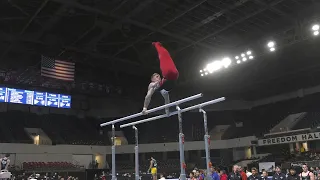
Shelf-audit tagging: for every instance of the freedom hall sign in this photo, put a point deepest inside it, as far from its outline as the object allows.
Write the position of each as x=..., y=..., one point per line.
x=289, y=139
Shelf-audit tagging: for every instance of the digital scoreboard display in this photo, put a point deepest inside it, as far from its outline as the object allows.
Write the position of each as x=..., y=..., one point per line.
x=21, y=96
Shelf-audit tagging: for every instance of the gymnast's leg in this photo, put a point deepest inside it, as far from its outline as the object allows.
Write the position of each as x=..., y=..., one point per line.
x=167, y=66
x=169, y=72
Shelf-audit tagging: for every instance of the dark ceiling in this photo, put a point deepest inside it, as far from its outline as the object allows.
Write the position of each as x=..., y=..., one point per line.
x=110, y=40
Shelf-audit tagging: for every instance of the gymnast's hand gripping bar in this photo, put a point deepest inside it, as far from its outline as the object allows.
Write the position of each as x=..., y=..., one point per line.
x=198, y=106
x=153, y=110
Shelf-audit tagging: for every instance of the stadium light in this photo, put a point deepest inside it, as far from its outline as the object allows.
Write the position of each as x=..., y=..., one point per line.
x=315, y=27
x=226, y=62
x=271, y=45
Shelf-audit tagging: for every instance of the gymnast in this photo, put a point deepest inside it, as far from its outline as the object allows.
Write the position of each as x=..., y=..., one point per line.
x=170, y=75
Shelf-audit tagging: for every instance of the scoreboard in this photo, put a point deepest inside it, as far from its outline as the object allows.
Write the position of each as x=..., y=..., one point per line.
x=21, y=96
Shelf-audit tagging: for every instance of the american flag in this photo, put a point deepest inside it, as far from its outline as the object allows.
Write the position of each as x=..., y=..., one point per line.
x=57, y=69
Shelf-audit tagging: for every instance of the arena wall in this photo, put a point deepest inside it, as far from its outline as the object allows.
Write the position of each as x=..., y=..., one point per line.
x=29, y=149
x=83, y=155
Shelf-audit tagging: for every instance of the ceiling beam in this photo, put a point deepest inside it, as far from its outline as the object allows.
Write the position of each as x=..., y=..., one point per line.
x=136, y=23
x=117, y=25
x=215, y=16
x=160, y=28
x=307, y=12
x=139, y=68
x=274, y=9
x=231, y=25
x=25, y=26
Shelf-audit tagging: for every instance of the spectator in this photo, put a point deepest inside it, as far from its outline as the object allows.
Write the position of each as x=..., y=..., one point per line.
x=317, y=170
x=242, y=173
x=278, y=175
x=248, y=173
x=293, y=175
x=318, y=176
x=215, y=175
x=235, y=175
x=201, y=175
x=254, y=174
x=5, y=162
x=197, y=175
x=191, y=176
x=264, y=175
x=306, y=174
x=223, y=175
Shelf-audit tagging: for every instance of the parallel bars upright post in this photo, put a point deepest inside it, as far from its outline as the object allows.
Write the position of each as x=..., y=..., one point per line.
x=181, y=146
x=206, y=143
x=136, y=153
x=113, y=151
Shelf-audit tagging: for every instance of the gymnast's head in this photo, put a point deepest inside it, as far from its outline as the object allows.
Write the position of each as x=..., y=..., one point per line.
x=155, y=77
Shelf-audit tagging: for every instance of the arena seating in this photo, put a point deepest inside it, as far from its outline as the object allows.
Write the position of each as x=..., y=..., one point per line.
x=48, y=166
x=308, y=120
x=67, y=129
x=61, y=129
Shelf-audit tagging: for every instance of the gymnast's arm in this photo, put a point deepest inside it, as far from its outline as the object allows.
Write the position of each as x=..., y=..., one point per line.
x=147, y=99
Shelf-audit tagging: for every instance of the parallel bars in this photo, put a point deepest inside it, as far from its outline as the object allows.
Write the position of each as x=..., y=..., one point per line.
x=181, y=135
x=153, y=110
x=113, y=148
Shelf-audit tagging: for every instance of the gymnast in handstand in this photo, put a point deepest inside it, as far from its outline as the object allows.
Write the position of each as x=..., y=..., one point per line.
x=170, y=75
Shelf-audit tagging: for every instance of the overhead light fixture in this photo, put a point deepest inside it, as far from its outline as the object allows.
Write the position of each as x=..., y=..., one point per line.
x=226, y=62
x=238, y=62
x=316, y=33
x=272, y=49
x=237, y=57
x=243, y=55
x=315, y=27
x=271, y=44
x=251, y=57
x=244, y=59
x=248, y=52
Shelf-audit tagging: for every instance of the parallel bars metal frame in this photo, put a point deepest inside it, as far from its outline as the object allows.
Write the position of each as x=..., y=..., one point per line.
x=113, y=148
x=153, y=110
x=181, y=135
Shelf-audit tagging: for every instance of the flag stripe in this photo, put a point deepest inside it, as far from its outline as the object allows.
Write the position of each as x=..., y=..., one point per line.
x=58, y=71
x=57, y=77
x=56, y=74
x=65, y=66
x=65, y=69
x=65, y=62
